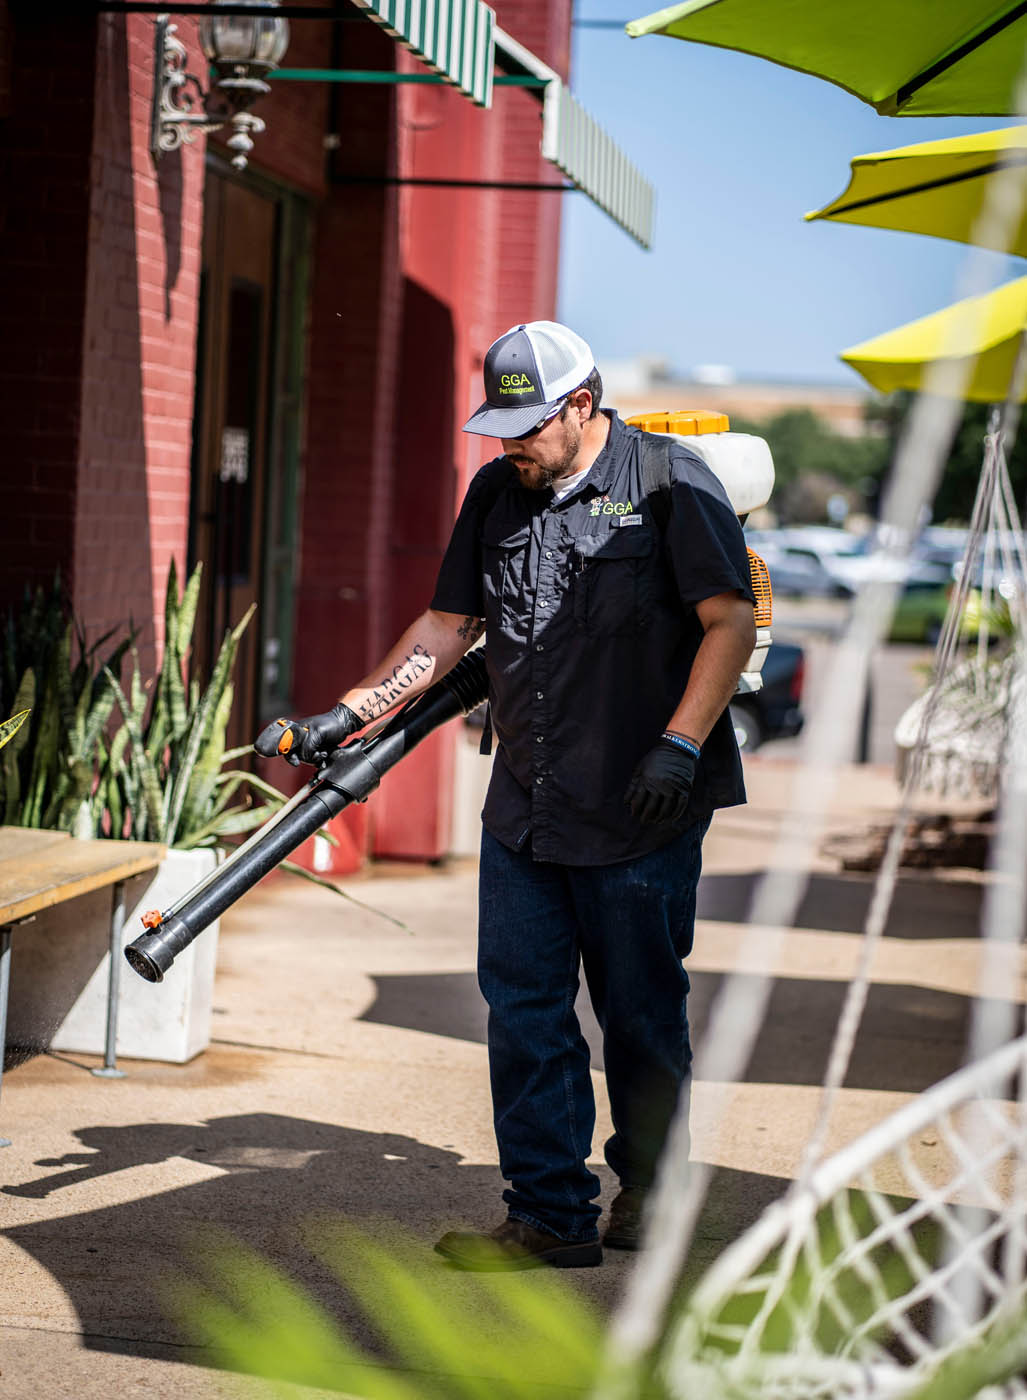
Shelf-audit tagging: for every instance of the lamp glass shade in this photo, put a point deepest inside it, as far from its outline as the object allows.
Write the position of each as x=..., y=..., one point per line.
x=243, y=39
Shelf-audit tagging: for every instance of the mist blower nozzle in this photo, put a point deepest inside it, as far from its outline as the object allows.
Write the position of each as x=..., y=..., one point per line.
x=350, y=775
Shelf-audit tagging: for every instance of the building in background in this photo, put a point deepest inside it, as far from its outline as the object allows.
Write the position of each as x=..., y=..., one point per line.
x=266, y=369
x=647, y=385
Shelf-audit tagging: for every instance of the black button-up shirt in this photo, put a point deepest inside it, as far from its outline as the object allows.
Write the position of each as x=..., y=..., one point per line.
x=591, y=631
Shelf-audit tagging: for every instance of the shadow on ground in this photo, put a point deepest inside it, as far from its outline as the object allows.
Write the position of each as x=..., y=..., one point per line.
x=923, y=906
x=910, y=1037
x=274, y=1176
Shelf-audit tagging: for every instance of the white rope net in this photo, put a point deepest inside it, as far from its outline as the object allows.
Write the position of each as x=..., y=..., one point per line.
x=856, y=1286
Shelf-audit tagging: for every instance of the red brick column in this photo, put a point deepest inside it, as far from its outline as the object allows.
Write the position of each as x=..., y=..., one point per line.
x=145, y=233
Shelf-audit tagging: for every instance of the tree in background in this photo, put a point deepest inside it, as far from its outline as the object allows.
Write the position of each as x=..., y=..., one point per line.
x=812, y=464
x=954, y=499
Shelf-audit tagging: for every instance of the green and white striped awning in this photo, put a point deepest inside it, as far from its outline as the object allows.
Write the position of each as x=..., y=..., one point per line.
x=576, y=144
x=455, y=37
x=579, y=147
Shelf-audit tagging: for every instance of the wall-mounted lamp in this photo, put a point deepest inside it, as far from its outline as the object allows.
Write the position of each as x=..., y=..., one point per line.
x=242, y=50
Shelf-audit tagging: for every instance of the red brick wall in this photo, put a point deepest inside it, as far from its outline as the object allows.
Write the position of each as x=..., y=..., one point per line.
x=45, y=146
x=341, y=622
x=145, y=233
x=475, y=261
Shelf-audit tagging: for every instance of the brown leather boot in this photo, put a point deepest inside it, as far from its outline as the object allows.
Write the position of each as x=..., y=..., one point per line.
x=624, y=1230
x=516, y=1245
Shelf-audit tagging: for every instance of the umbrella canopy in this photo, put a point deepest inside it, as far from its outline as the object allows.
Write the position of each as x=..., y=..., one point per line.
x=905, y=57
x=936, y=187
x=979, y=337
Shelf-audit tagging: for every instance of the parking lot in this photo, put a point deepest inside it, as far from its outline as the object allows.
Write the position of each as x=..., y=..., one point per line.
x=899, y=671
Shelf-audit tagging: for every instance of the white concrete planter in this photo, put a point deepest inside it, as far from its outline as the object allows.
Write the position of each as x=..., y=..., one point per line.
x=60, y=971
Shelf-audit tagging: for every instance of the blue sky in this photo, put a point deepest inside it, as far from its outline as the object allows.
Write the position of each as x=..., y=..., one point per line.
x=739, y=149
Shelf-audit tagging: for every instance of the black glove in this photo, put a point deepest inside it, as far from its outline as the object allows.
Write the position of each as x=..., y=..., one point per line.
x=662, y=783
x=308, y=740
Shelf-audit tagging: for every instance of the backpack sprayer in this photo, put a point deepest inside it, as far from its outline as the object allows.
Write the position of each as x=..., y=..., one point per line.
x=350, y=775
x=745, y=468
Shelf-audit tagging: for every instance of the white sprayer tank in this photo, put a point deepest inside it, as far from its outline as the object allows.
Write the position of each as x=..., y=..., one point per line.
x=741, y=461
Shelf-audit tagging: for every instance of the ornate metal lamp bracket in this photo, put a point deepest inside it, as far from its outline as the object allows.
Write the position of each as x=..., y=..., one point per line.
x=178, y=99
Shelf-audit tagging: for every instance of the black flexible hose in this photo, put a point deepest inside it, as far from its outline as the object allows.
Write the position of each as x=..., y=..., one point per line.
x=350, y=777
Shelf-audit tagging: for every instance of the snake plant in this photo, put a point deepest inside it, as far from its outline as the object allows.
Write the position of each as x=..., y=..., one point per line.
x=163, y=775
x=47, y=768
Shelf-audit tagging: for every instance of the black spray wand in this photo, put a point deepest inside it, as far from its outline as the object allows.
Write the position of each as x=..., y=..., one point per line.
x=350, y=775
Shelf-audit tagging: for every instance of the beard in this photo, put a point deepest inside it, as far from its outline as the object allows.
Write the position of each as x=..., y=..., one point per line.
x=534, y=477
x=539, y=476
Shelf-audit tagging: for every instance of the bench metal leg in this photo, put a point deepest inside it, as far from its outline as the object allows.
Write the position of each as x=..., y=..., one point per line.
x=110, y=1069
x=5, y=986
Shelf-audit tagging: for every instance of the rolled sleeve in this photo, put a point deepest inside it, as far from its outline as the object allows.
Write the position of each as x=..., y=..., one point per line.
x=459, y=587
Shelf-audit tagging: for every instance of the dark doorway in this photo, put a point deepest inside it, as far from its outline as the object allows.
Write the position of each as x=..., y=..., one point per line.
x=231, y=430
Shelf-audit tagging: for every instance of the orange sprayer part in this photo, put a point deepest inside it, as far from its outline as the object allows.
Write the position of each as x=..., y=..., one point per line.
x=285, y=742
x=687, y=422
x=760, y=576
x=152, y=918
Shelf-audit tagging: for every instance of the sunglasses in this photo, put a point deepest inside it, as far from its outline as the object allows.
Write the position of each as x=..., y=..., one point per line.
x=519, y=437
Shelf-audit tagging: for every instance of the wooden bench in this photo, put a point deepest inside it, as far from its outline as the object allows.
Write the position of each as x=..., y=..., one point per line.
x=39, y=869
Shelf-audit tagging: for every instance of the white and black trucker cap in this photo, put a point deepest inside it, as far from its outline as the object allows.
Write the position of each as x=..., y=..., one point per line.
x=529, y=371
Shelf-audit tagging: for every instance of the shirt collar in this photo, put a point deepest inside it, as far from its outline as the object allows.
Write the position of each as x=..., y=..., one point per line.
x=601, y=475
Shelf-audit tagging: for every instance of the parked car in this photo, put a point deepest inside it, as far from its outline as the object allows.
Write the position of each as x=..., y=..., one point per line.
x=794, y=570
x=921, y=609
x=775, y=711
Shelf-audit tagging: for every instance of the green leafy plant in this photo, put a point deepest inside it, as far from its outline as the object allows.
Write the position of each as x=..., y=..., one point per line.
x=162, y=776
x=47, y=769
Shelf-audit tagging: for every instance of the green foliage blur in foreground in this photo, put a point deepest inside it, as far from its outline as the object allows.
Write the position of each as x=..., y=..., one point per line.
x=507, y=1335
x=473, y=1341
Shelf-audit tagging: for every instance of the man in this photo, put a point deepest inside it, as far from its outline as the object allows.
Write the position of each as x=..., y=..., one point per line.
x=616, y=632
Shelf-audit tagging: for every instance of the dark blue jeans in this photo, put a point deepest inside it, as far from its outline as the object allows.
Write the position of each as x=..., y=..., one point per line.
x=629, y=925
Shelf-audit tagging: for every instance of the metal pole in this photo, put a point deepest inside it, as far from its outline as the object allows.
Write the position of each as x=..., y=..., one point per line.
x=5, y=984
x=110, y=1069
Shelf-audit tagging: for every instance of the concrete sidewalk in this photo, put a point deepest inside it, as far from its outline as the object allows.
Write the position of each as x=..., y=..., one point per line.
x=348, y=1076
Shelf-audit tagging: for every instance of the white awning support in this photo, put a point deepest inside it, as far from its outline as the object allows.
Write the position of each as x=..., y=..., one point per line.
x=579, y=147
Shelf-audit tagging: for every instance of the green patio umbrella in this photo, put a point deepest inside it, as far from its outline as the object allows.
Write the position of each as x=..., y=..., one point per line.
x=937, y=187
x=980, y=336
x=917, y=58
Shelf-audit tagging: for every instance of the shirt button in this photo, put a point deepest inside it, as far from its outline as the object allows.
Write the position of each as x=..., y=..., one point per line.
x=549, y=554
x=539, y=738
x=543, y=603
x=539, y=695
x=539, y=780
x=539, y=646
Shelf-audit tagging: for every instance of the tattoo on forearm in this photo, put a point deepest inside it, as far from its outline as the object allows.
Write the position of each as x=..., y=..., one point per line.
x=471, y=628
x=391, y=687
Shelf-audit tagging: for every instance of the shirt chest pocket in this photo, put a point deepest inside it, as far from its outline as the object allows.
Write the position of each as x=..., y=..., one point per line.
x=504, y=560
x=613, y=584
